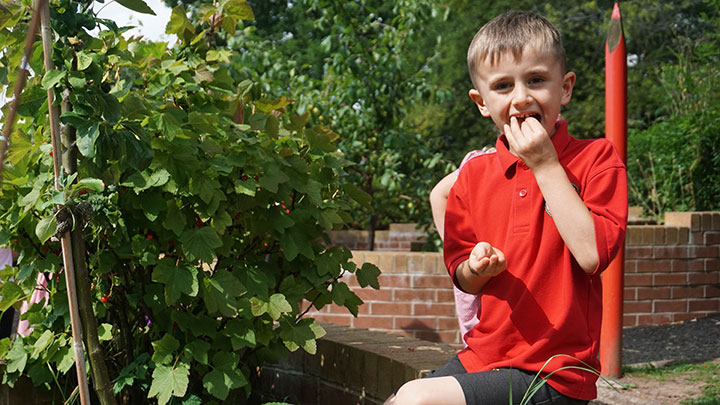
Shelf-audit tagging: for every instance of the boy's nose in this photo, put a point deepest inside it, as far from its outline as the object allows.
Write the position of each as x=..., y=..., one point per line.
x=521, y=96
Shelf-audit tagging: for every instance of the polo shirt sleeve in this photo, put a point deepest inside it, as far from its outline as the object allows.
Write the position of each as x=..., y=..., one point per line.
x=459, y=235
x=606, y=197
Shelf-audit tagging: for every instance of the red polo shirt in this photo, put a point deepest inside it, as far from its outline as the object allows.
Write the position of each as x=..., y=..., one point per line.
x=544, y=304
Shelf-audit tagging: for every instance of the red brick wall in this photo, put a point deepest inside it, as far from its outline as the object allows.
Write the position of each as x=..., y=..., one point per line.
x=672, y=273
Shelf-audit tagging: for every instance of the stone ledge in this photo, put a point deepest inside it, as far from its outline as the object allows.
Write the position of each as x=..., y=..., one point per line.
x=352, y=366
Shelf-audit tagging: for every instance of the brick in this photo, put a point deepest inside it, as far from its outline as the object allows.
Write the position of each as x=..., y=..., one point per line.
x=406, y=294
x=373, y=322
x=704, y=305
x=634, y=236
x=703, y=251
x=431, y=281
x=337, y=309
x=402, y=281
x=712, y=291
x=670, y=306
x=695, y=222
x=653, y=293
x=696, y=238
x=336, y=319
x=688, y=292
x=445, y=295
x=659, y=235
x=390, y=308
x=333, y=394
x=670, y=279
x=712, y=238
x=401, y=263
x=706, y=221
x=432, y=308
x=696, y=265
x=672, y=234
x=431, y=264
x=387, y=262
x=637, y=307
x=630, y=266
x=653, y=319
x=629, y=320
x=629, y=294
x=653, y=266
x=648, y=235
x=415, y=263
x=682, y=317
x=374, y=258
x=716, y=221
x=368, y=294
x=438, y=337
x=702, y=278
x=679, y=219
x=712, y=265
x=448, y=323
x=683, y=236
x=639, y=252
x=413, y=323
x=638, y=280
x=670, y=252
x=678, y=265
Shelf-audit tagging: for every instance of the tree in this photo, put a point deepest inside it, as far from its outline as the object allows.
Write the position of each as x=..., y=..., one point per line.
x=209, y=208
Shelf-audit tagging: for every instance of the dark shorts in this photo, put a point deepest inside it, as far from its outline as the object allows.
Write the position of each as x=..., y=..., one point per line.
x=493, y=387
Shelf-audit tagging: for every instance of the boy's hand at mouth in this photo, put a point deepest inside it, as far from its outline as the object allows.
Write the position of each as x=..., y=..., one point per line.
x=530, y=142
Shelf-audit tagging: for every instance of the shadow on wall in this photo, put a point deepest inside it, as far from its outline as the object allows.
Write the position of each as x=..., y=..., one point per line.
x=421, y=330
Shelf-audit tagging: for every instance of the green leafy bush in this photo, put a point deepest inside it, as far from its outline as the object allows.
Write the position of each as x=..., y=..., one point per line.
x=209, y=209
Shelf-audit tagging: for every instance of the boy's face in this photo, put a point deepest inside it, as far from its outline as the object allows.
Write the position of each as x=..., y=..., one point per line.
x=531, y=87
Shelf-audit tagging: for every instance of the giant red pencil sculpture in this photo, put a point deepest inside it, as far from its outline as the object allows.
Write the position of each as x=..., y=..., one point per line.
x=616, y=133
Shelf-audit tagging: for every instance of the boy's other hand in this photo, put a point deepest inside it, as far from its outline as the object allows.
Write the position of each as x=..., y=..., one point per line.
x=530, y=142
x=486, y=260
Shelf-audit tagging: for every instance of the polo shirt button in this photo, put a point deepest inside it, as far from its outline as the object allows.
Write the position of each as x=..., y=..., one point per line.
x=523, y=165
x=522, y=193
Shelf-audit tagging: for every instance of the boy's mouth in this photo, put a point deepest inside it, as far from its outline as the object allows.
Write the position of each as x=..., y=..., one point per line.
x=522, y=117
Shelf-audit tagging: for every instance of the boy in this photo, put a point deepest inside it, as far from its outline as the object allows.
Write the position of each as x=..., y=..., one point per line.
x=529, y=228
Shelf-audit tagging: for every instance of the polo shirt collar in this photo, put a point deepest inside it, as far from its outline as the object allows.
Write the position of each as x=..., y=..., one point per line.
x=560, y=140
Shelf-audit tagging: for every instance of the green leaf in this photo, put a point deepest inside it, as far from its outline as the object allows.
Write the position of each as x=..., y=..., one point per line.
x=238, y=9
x=105, y=332
x=178, y=280
x=357, y=194
x=220, y=293
x=51, y=78
x=86, y=138
x=367, y=275
x=201, y=243
x=45, y=228
x=178, y=22
x=225, y=375
x=199, y=349
x=83, y=60
x=41, y=343
x=9, y=295
x=164, y=348
x=16, y=358
x=90, y=183
x=169, y=381
x=277, y=306
x=272, y=177
x=137, y=5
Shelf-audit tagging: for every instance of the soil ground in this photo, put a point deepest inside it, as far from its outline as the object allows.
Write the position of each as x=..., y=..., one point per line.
x=688, y=342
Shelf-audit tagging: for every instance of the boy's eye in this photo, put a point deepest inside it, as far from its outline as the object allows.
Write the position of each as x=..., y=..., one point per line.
x=501, y=86
x=536, y=80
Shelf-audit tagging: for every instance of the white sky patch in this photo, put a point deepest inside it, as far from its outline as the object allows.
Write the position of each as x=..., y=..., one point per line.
x=151, y=27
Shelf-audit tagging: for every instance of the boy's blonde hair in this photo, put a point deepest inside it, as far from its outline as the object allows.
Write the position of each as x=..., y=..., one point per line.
x=511, y=32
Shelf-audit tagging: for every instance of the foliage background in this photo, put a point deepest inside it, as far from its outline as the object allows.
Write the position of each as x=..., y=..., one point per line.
x=355, y=109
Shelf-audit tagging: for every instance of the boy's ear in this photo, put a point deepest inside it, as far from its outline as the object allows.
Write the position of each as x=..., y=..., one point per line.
x=478, y=100
x=568, y=84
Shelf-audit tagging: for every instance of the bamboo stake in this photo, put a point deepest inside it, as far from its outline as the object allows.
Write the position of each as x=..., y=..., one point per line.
x=65, y=241
x=20, y=84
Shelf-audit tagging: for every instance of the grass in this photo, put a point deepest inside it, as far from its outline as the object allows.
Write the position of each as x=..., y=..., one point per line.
x=708, y=373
